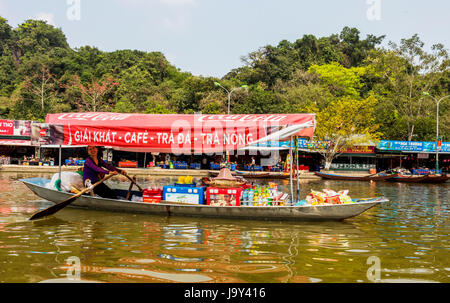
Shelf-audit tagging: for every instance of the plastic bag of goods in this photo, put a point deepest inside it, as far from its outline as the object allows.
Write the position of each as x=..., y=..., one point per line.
x=318, y=197
x=344, y=197
x=69, y=180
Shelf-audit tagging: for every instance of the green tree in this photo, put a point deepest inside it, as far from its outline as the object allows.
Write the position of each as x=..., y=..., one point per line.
x=341, y=81
x=406, y=72
x=345, y=123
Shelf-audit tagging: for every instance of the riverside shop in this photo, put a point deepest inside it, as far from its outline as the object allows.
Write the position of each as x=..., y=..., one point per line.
x=16, y=147
x=360, y=158
x=415, y=156
x=15, y=141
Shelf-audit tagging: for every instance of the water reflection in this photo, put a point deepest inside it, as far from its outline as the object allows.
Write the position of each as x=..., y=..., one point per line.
x=409, y=235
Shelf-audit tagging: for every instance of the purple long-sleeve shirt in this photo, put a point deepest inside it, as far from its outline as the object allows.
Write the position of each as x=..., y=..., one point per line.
x=91, y=170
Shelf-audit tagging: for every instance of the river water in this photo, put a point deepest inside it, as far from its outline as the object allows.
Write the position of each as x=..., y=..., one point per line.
x=407, y=239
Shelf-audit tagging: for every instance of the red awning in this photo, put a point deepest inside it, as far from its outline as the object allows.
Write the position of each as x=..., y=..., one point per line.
x=173, y=133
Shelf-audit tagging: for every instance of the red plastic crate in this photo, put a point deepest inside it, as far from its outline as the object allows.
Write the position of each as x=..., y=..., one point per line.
x=152, y=195
x=128, y=164
x=223, y=196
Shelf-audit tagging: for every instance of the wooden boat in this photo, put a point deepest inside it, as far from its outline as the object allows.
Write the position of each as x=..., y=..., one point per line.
x=278, y=176
x=253, y=175
x=436, y=179
x=290, y=213
x=421, y=179
x=377, y=177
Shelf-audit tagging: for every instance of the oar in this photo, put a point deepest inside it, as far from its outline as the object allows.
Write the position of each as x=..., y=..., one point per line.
x=134, y=182
x=55, y=208
x=130, y=188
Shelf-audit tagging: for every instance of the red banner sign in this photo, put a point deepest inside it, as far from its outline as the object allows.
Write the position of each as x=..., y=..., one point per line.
x=6, y=127
x=360, y=150
x=175, y=133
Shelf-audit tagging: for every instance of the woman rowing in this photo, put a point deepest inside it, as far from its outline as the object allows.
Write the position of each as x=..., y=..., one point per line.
x=95, y=168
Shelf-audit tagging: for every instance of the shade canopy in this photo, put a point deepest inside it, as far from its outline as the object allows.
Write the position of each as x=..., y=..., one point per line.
x=182, y=134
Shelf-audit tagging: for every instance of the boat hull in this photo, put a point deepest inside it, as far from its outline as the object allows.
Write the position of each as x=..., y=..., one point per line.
x=355, y=178
x=251, y=175
x=280, y=213
x=422, y=179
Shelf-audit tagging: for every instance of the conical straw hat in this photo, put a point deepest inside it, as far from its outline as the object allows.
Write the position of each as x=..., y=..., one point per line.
x=225, y=174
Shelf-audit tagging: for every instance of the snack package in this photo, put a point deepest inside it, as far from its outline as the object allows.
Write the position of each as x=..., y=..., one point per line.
x=345, y=198
x=333, y=200
x=320, y=197
x=330, y=192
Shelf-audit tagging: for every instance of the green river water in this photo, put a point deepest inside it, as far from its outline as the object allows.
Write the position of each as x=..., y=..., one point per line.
x=407, y=237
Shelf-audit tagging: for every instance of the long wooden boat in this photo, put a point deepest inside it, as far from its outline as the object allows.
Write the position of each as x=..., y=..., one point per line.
x=253, y=175
x=289, y=213
x=436, y=179
x=378, y=177
x=421, y=179
x=278, y=176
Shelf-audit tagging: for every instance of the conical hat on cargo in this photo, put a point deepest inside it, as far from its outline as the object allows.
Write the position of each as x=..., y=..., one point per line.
x=225, y=174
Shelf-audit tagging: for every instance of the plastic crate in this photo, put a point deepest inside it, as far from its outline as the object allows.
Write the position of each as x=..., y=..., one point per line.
x=152, y=195
x=186, y=195
x=128, y=164
x=185, y=185
x=223, y=196
x=214, y=166
x=195, y=166
x=180, y=165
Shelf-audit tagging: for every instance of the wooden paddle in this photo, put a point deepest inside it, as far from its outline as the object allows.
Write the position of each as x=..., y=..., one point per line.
x=130, y=188
x=55, y=208
x=134, y=182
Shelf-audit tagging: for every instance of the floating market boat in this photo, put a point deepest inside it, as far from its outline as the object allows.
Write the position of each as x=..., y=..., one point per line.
x=289, y=213
x=421, y=179
x=377, y=177
x=253, y=175
x=187, y=134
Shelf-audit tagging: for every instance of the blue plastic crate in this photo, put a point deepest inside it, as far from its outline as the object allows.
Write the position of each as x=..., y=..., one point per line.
x=195, y=166
x=186, y=195
x=80, y=162
x=185, y=185
x=214, y=166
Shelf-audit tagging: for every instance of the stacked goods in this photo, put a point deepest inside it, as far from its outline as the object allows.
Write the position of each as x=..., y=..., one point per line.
x=223, y=196
x=328, y=197
x=264, y=196
x=187, y=181
x=183, y=194
x=152, y=195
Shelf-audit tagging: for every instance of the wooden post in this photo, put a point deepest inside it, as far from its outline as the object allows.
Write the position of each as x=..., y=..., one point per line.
x=60, y=157
x=291, y=160
x=297, y=164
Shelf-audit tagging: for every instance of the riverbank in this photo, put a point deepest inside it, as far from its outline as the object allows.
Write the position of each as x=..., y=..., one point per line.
x=154, y=171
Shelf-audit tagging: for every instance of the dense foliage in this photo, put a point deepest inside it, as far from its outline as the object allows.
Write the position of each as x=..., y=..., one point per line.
x=334, y=77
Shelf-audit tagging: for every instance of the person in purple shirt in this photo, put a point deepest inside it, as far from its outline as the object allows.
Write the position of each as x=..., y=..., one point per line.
x=95, y=168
